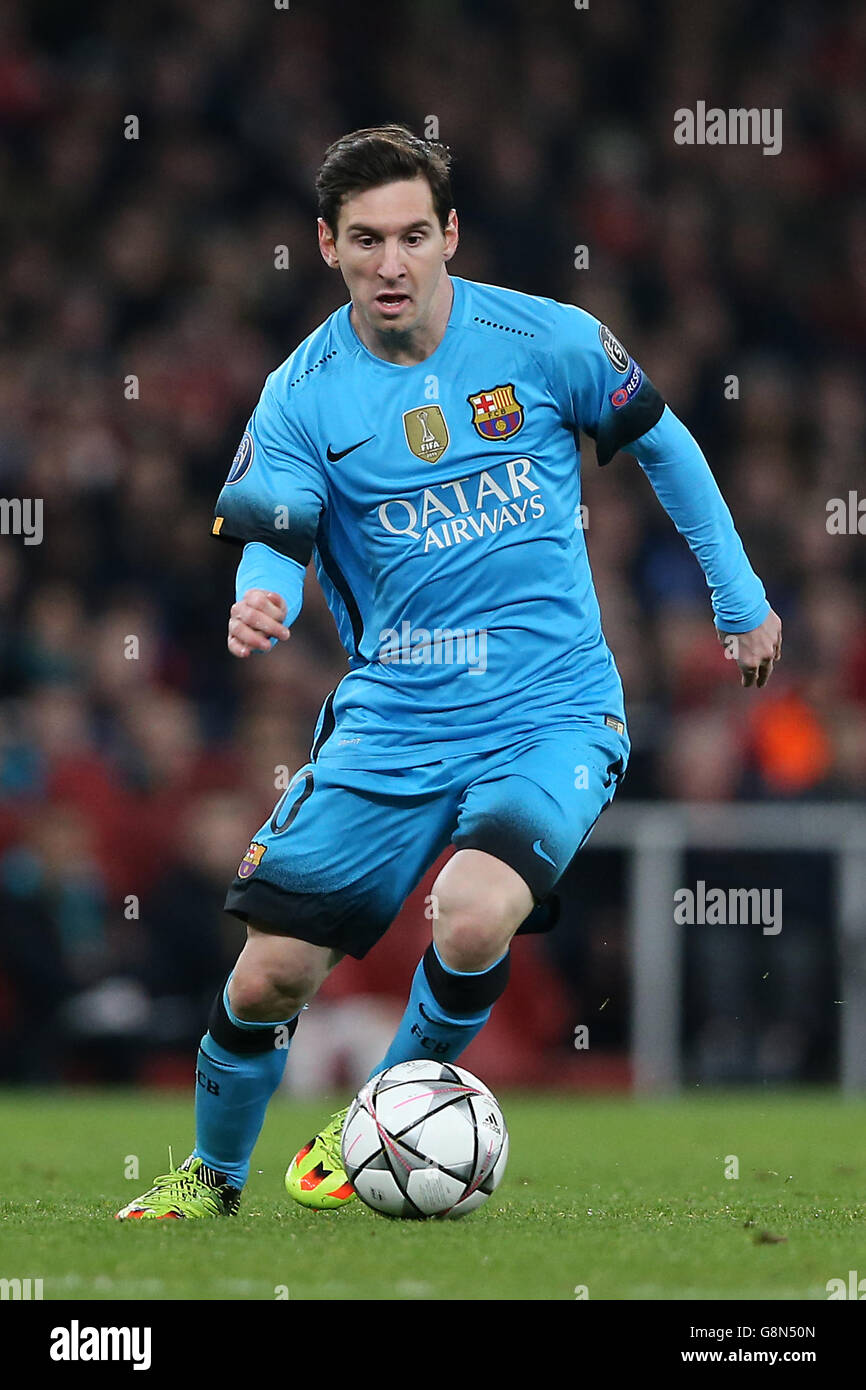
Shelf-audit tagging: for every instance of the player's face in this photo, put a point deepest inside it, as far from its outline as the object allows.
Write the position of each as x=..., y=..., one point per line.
x=391, y=251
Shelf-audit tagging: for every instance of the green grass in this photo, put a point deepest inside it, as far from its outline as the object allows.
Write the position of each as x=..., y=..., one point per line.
x=628, y=1198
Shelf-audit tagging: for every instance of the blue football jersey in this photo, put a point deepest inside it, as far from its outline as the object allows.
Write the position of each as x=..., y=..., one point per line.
x=441, y=505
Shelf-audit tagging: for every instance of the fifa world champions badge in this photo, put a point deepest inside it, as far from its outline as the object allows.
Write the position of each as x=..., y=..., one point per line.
x=426, y=432
x=497, y=413
x=252, y=859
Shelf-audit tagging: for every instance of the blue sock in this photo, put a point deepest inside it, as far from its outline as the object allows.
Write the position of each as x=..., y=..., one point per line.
x=239, y=1067
x=446, y=1010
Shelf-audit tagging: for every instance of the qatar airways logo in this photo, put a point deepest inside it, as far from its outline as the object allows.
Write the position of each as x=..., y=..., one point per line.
x=465, y=509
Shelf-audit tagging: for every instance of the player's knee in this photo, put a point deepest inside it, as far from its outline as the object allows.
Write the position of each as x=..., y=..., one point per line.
x=266, y=994
x=475, y=918
x=469, y=939
x=276, y=976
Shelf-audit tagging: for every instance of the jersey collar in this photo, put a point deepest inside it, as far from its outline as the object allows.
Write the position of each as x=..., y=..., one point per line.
x=354, y=344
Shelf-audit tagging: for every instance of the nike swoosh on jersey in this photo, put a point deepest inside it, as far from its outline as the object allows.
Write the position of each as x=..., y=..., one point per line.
x=541, y=853
x=352, y=447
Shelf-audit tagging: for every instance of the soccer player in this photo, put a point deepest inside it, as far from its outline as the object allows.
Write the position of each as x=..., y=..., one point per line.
x=422, y=447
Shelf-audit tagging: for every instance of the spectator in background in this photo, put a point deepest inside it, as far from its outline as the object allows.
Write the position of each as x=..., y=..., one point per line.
x=192, y=943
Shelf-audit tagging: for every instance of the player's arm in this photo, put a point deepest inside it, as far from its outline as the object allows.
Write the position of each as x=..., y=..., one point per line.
x=604, y=392
x=271, y=504
x=268, y=597
x=684, y=484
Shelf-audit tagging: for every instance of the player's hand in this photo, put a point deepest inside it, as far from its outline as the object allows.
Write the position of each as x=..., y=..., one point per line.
x=254, y=620
x=756, y=652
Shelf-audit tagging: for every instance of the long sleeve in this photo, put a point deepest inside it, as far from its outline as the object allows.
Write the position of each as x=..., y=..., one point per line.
x=602, y=390
x=275, y=491
x=271, y=502
x=264, y=568
x=682, y=481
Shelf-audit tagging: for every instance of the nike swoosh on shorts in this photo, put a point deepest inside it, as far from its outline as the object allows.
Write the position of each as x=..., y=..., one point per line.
x=541, y=853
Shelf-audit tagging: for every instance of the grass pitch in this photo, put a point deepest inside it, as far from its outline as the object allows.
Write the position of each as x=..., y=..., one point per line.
x=626, y=1199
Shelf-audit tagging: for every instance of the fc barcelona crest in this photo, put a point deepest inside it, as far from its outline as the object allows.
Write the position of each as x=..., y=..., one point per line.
x=252, y=859
x=497, y=413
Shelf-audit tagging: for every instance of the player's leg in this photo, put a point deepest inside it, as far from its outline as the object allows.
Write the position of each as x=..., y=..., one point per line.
x=521, y=820
x=333, y=866
x=241, y=1061
x=479, y=903
x=243, y=1055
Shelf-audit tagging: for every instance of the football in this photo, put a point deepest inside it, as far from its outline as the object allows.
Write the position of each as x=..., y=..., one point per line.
x=424, y=1139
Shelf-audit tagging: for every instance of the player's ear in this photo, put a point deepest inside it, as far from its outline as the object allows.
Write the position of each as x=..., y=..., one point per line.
x=451, y=234
x=327, y=244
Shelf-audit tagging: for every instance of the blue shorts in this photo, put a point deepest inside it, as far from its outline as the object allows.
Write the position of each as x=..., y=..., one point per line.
x=345, y=847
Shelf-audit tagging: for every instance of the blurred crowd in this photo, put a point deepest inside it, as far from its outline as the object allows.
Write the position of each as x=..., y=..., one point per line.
x=140, y=310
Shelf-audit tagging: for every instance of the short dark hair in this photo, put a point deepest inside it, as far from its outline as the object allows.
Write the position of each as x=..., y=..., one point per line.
x=382, y=154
